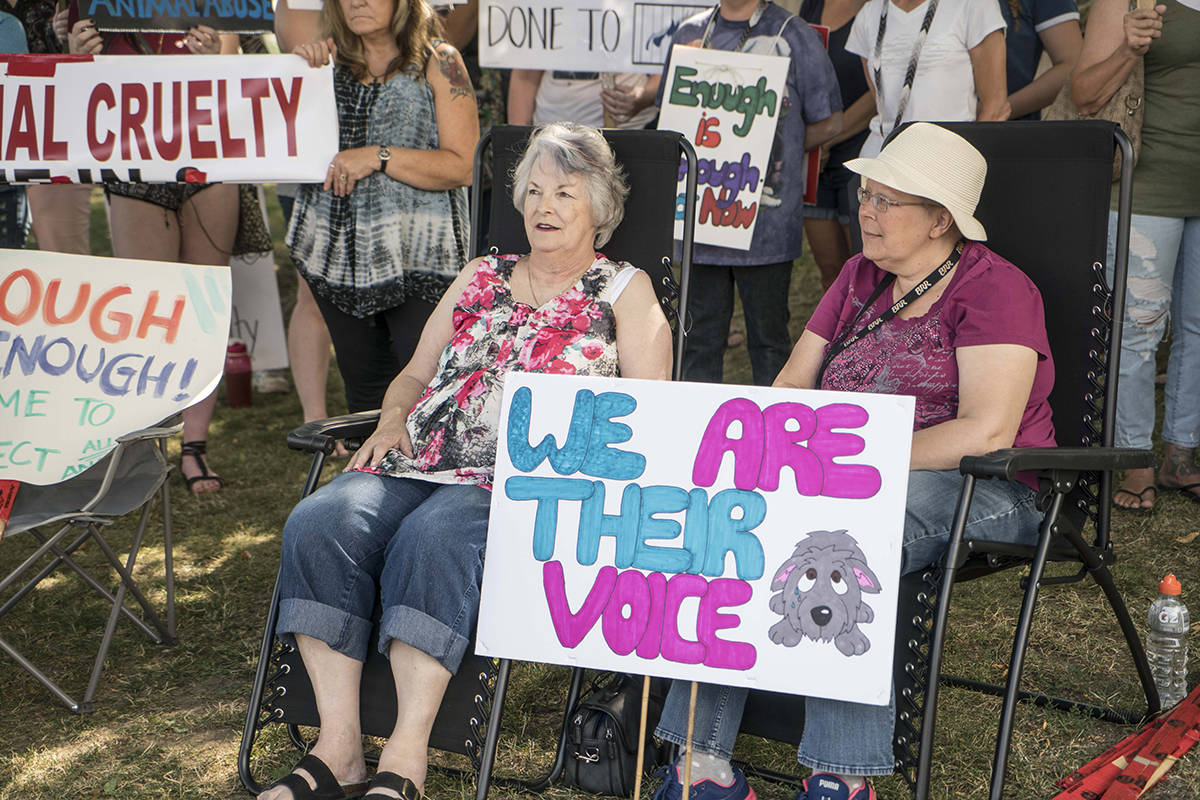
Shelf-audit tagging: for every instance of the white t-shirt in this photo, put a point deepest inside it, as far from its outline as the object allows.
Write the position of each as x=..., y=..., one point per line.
x=573, y=100
x=943, y=88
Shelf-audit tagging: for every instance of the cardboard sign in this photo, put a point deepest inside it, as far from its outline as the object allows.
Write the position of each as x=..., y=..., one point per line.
x=257, y=318
x=698, y=531
x=94, y=348
x=247, y=119
x=580, y=35
x=728, y=104
x=234, y=16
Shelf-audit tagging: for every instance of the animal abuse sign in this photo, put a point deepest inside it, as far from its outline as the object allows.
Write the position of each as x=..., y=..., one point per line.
x=728, y=534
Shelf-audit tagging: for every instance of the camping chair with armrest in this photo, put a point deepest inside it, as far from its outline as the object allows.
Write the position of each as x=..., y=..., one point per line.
x=124, y=481
x=1045, y=207
x=468, y=721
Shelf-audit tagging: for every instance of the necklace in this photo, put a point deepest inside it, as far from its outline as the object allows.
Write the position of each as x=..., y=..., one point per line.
x=753, y=21
x=529, y=280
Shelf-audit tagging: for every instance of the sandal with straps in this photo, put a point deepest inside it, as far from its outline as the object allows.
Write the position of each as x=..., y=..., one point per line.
x=397, y=783
x=196, y=449
x=327, y=787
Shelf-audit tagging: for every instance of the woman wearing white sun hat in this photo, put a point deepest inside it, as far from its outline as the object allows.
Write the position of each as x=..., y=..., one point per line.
x=925, y=310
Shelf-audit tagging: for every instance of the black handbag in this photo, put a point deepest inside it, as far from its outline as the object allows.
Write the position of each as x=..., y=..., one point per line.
x=601, y=755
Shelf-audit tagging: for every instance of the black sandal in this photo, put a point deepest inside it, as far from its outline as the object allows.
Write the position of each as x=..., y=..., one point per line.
x=196, y=450
x=328, y=787
x=397, y=783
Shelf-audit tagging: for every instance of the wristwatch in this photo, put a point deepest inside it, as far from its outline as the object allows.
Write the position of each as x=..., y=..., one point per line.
x=383, y=155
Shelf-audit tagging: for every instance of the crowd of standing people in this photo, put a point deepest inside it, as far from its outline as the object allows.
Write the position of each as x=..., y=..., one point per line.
x=423, y=332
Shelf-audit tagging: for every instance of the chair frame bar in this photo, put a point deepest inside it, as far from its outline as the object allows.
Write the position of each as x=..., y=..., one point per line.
x=150, y=623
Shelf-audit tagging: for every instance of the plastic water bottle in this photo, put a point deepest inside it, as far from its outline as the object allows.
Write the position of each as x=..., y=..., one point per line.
x=1166, y=644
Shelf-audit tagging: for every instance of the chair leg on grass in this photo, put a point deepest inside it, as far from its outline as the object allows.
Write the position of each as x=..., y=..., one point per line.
x=1021, y=640
x=488, y=757
x=938, y=635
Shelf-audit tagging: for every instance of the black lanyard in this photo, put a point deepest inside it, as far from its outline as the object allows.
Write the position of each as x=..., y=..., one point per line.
x=712, y=21
x=840, y=343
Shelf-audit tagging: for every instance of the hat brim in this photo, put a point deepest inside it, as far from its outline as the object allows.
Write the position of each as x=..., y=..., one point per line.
x=899, y=177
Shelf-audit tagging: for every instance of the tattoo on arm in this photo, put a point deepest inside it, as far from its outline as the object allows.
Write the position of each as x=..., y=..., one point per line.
x=456, y=74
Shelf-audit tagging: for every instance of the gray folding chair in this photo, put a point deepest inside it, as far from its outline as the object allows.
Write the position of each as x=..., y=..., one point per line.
x=124, y=481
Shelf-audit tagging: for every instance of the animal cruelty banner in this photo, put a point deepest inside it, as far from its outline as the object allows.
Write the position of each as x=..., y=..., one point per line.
x=233, y=16
x=94, y=348
x=249, y=119
x=737, y=535
x=580, y=35
x=728, y=104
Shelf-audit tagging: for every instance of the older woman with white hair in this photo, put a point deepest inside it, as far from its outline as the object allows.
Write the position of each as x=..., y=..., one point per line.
x=925, y=310
x=404, y=526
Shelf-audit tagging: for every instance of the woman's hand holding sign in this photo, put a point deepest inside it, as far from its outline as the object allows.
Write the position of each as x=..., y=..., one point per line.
x=84, y=38
x=203, y=41
x=317, y=54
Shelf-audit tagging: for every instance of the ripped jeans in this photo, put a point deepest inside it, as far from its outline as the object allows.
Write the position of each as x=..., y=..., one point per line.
x=1164, y=284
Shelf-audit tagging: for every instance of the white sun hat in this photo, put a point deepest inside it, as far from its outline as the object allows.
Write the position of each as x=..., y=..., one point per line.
x=931, y=162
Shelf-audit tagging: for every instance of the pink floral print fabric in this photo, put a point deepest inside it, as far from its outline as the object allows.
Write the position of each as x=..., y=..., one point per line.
x=454, y=424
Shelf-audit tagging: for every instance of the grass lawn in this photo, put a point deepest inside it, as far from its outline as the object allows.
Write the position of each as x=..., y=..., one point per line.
x=168, y=721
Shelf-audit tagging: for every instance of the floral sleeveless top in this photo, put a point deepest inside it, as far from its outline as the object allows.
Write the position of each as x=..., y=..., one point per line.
x=454, y=425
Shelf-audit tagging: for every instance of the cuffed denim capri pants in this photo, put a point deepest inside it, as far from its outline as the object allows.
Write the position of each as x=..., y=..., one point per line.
x=413, y=546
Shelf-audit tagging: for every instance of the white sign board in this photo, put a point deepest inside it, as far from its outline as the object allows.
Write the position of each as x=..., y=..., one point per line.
x=580, y=35
x=698, y=531
x=728, y=105
x=94, y=348
x=199, y=119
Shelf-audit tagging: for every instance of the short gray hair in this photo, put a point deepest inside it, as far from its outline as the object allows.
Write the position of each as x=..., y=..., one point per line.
x=578, y=150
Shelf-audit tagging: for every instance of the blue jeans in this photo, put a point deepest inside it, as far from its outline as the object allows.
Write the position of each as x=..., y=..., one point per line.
x=764, y=292
x=1164, y=284
x=413, y=546
x=853, y=738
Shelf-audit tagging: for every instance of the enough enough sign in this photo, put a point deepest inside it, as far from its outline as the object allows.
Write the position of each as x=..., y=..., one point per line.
x=715, y=533
x=94, y=348
x=165, y=119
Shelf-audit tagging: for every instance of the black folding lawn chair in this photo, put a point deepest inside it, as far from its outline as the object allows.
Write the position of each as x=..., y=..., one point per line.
x=62, y=517
x=468, y=722
x=1045, y=206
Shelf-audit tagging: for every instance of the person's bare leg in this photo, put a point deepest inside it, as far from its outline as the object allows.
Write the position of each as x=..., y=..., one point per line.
x=207, y=223
x=1179, y=469
x=829, y=242
x=62, y=214
x=335, y=680
x=420, y=684
x=308, y=351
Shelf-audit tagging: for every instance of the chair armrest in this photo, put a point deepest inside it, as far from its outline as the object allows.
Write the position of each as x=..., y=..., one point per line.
x=150, y=433
x=1007, y=463
x=321, y=435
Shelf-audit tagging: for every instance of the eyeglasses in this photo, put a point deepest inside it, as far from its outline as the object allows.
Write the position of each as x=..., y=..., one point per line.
x=882, y=204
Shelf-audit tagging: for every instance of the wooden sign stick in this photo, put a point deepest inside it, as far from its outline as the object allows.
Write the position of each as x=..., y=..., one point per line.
x=687, y=754
x=641, y=755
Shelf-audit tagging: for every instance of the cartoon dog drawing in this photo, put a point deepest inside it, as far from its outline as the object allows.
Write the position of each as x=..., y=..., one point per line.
x=821, y=593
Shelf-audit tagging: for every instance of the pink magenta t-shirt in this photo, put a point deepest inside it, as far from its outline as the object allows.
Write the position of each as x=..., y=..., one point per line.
x=988, y=301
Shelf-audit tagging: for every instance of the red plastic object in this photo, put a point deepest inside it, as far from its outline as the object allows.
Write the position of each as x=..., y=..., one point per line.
x=237, y=375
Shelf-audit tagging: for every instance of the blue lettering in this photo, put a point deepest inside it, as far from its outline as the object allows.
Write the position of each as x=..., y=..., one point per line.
x=547, y=492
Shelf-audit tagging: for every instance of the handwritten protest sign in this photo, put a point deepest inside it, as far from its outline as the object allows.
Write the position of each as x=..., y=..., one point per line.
x=580, y=35
x=238, y=16
x=698, y=531
x=728, y=104
x=94, y=348
x=165, y=118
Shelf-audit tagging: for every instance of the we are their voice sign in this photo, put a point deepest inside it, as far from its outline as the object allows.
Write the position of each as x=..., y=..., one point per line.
x=728, y=104
x=164, y=118
x=94, y=348
x=726, y=534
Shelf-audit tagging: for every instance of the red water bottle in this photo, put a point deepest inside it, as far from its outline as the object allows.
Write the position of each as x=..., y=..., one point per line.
x=237, y=374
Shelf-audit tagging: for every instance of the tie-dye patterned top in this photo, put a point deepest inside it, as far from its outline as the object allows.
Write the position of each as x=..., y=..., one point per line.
x=455, y=423
x=386, y=241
